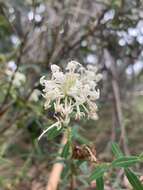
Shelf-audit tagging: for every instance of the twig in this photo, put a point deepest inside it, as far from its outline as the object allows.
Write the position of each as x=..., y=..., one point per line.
x=54, y=177
x=93, y=158
x=2, y=10
x=18, y=61
x=110, y=65
x=87, y=34
x=63, y=49
x=72, y=182
x=20, y=53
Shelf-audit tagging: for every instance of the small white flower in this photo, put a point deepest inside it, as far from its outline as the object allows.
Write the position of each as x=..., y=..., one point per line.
x=91, y=59
x=72, y=65
x=42, y=80
x=58, y=76
x=133, y=32
x=109, y=15
x=140, y=39
x=12, y=66
x=122, y=42
x=55, y=68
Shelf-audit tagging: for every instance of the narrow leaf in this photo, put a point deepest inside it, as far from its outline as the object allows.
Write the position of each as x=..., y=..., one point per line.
x=133, y=179
x=52, y=133
x=125, y=161
x=141, y=156
x=100, y=183
x=66, y=150
x=116, y=150
x=98, y=172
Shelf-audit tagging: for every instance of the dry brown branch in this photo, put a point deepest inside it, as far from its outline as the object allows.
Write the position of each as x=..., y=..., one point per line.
x=110, y=64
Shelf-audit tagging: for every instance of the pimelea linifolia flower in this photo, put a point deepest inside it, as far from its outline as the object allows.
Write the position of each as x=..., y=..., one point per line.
x=72, y=93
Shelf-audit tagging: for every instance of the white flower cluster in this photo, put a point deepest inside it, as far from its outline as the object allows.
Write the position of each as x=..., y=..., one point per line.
x=19, y=78
x=133, y=34
x=71, y=93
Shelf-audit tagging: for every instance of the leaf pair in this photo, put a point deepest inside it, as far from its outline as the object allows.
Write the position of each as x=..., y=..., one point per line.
x=121, y=161
x=132, y=178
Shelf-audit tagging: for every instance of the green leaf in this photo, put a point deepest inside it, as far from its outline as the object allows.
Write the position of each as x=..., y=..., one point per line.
x=98, y=172
x=141, y=156
x=52, y=133
x=125, y=161
x=116, y=4
x=116, y=150
x=133, y=179
x=81, y=139
x=100, y=183
x=66, y=150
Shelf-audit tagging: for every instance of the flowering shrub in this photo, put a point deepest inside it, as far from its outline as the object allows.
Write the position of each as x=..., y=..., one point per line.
x=72, y=94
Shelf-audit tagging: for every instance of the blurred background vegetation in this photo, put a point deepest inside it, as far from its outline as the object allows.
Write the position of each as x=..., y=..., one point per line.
x=37, y=33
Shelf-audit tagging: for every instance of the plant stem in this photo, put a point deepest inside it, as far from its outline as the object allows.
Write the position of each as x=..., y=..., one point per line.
x=54, y=177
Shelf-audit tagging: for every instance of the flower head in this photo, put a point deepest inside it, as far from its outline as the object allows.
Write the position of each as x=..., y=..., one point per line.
x=73, y=92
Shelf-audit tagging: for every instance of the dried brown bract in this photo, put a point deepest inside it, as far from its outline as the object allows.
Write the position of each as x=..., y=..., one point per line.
x=84, y=152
